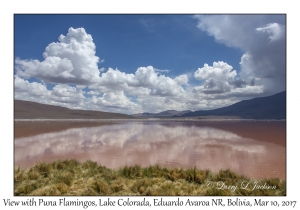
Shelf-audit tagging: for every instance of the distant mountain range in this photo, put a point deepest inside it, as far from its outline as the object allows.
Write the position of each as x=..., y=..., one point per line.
x=168, y=113
x=270, y=107
x=33, y=110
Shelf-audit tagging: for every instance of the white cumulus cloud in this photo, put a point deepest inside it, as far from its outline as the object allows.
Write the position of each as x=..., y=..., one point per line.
x=71, y=67
x=71, y=60
x=182, y=79
x=219, y=71
x=261, y=37
x=116, y=101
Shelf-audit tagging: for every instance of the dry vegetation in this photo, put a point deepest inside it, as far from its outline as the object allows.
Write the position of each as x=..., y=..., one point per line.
x=69, y=177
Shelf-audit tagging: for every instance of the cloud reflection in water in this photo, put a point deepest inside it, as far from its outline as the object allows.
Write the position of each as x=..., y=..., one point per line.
x=167, y=144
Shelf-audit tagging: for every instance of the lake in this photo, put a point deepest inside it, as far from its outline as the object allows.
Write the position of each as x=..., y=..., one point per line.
x=256, y=149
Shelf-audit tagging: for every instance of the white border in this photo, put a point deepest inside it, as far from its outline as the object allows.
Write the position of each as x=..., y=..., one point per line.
x=9, y=8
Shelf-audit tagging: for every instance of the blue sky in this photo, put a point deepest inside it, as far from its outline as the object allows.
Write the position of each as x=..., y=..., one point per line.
x=148, y=63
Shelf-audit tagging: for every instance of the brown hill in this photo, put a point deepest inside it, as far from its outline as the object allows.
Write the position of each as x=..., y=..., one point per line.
x=33, y=110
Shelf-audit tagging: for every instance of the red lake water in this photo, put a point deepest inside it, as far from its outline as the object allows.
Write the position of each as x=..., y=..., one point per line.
x=256, y=149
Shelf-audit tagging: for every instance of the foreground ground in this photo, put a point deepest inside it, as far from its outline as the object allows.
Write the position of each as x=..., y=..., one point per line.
x=69, y=177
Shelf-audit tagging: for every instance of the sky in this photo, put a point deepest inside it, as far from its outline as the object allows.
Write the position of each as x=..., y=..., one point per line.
x=148, y=63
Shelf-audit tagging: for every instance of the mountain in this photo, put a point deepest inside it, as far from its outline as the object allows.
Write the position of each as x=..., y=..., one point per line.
x=167, y=113
x=173, y=112
x=33, y=110
x=270, y=107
